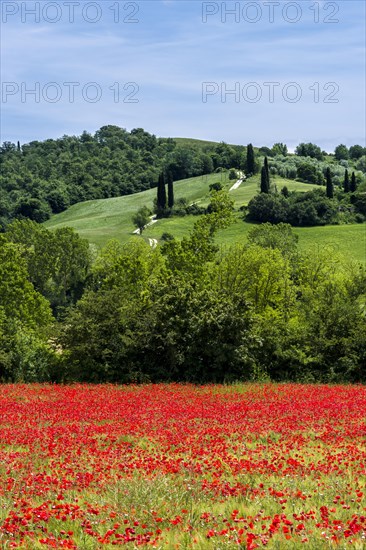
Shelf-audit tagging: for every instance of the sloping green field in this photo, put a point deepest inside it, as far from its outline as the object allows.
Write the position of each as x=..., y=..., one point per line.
x=105, y=219
x=102, y=220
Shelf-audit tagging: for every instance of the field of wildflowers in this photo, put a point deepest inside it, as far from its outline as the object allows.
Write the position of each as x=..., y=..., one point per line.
x=169, y=466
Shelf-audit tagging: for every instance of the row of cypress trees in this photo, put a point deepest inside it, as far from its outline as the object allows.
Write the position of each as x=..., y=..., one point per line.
x=265, y=181
x=164, y=200
x=348, y=186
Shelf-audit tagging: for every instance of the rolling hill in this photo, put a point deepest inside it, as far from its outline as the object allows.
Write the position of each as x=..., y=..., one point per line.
x=102, y=220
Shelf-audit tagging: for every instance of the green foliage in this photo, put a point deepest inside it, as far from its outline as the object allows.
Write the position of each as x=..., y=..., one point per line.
x=251, y=166
x=298, y=209
x=100, y=332
x=57, y=261
x=357, y=151
x=285, y=192
x=141, y=218
x=233, y=174
x=309, y=150
x=166, y=236
x=258, y=308
x=279, y=149
x=187, y=310
x=361, y=164
x=32, y=208
x=309, y=172
x=268, y=208
x=217, y=186
x=170, y=191
x=353, y=185
x=161, y=194
x=341, y=152
x=329, y=185
x=195, y=333
x=25, y=319
x=190, y=255
x=279, y=237
x=265, y=181
x=47, y=177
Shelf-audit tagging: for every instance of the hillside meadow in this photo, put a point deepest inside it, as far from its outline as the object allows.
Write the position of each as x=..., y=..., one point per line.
x=102, y=220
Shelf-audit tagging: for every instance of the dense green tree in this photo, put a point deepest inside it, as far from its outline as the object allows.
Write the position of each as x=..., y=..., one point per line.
x=357, y=151
x=308, y=172
x=170, y=190
x=251, y=167
x=25, y=319
x=161, y=193
x=58, y=262
x=141, y=218
x=72, y=265
x=361, y=164
x=267, y=208
x=264, y=180
x=49, y=176
x=353, y=185
x=34, y=209
x=346, y=184
x=267, y=173
x=329, y=184
x=190, y=312
x=341, y=152
x=38, y=248
x=103, y=328
x=299, y=209
x=280, y=149
x=266, y=152
x=309, y=150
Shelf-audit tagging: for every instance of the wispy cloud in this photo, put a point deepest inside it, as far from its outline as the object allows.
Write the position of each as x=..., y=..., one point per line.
x=169, y=53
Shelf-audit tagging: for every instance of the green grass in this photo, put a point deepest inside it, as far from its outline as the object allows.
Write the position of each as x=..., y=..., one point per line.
x=196, y=143
x=200, y=143
x=250, y=187
x=102, y=220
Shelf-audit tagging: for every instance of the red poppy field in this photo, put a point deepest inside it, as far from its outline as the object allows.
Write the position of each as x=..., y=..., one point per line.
x=169, y=466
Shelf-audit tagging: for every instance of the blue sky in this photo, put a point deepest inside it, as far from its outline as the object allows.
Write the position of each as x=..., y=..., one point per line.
x=174, y=63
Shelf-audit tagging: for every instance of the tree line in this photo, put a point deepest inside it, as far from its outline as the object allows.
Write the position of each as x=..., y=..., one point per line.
x=185, y=311
x=42, y=178
x=46, y=177
x=333, y=205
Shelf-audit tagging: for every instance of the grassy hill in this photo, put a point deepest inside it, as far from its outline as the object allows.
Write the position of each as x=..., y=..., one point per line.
x=102, y=220
x=196, y=143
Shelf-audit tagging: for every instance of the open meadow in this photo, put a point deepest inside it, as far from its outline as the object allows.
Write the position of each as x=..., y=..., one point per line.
x=169, y=466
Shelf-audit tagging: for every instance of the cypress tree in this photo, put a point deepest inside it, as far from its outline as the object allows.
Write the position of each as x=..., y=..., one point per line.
x=267, y=173
x=264, y=180
x=161, y=197
x=250, y=159
x=353, y=185
x=330, y=190
x=170, y=190
x=346, y=182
